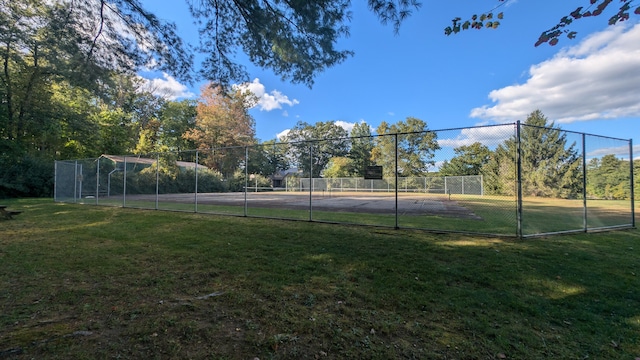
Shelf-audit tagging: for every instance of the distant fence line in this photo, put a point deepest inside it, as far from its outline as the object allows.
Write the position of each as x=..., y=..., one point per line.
x=518, y=193
x=456, y=185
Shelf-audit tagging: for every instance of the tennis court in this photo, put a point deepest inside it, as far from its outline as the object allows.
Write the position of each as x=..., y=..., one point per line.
x=352, y=202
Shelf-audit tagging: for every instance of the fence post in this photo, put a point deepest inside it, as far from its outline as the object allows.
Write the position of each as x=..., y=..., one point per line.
x=157, y=179
x=633, y=212
x=246, y=178
x=585, y=223
x=124, y=184
x=196, y=170
x=55, y=181
x=75, y=182
x=395, y=137
x=310, y=181
x=97, y=180
x=518, y=180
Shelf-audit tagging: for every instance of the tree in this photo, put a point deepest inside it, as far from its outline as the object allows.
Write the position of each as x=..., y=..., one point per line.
x=416, y=147
x=296, y=39
x=469, y=160
x=223, y=123
x=592, y=8
x=59, y=87
x=362, y=144
x=117, y=132
x=322, y=141
x=550, y=166
x=339, y=167
x=176, y=118
x=77, y=134
x=608, y=178
x=268, y=158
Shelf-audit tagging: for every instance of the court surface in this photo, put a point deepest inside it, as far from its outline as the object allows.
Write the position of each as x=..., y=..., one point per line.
x=356, y=202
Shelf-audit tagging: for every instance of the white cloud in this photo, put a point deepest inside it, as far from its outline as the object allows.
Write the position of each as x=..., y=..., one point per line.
x=267, y=101
x=487, y=135
x=348, y=126
x=620, y=151
x=437, y=165
x=596, y=79
x=283, y=134
x=345, y=125
x=167, y=87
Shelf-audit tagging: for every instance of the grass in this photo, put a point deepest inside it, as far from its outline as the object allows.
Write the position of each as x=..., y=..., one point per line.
x=497, y=213
x=100, y=282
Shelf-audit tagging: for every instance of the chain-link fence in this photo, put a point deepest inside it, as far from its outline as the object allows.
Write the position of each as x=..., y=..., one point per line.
x=512, y=179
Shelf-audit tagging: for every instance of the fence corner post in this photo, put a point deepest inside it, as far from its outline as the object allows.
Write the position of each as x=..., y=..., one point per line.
x=585, y=223
x=631, y=182
x=519, y=180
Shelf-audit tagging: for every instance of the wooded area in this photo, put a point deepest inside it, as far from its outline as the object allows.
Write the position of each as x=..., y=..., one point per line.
x=69, y=90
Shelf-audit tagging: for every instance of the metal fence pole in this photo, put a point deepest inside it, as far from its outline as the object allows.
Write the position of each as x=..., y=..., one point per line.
x=310, y=181
x=395, y=137
x=81, y=180
x=157, y=179
x=196, y=186
x=124, y=184
x=585, y=224
x=246, y=178
x=75, y=181
x=97, y=180
x=55, y=181
x=631, y=180
x=519, y=180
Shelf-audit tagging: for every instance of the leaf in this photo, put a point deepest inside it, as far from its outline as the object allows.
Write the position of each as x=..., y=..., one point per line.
x=637, y=11
x=500, y=16
x=553, y=42
x=576, y=13
x=466, y=25
x=572, y=35
x=496, y=24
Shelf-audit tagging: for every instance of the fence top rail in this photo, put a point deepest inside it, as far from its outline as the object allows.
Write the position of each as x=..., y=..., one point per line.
x=348, y=138
x=576, y=132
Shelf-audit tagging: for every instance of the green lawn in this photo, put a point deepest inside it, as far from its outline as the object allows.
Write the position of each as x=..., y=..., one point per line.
x=497, y=214
x=104, y=282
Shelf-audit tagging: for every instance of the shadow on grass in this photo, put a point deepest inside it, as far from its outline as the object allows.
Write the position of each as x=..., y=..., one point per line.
x=107, y=282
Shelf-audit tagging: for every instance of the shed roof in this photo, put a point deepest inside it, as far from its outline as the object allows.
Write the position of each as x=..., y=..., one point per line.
x=147, y=161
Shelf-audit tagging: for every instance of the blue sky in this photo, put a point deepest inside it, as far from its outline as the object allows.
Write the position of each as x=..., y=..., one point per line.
x=589, y=84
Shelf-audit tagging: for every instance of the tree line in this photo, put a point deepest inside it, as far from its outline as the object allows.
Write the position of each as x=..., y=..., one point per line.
x=69, y=89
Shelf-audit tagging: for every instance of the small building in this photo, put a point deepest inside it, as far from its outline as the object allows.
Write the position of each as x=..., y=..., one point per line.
x=279, y=179
x=145, y=161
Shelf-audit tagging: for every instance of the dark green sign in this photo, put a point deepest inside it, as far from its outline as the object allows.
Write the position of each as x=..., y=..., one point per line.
x=373, y=173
